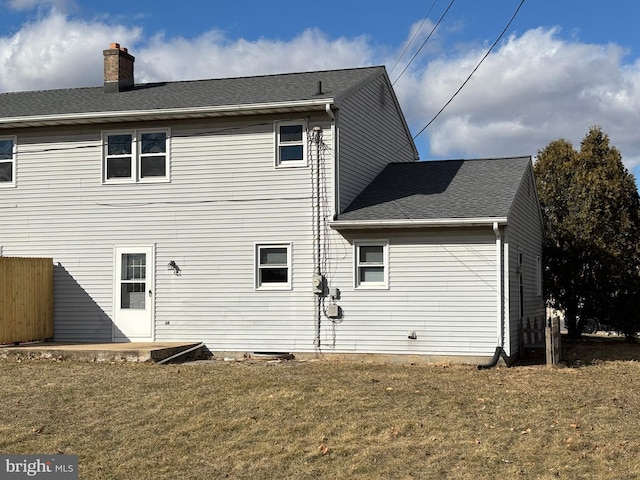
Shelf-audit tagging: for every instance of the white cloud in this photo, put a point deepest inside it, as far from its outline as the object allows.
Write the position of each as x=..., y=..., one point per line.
x=60, y=5
x=212, y=55
x=533, y=89
x=55, y=52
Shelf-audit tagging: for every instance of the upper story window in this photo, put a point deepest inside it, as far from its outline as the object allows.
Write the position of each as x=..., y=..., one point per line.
x=7, y=161
x=136, y=156
x=372, y=265
x=291, y=144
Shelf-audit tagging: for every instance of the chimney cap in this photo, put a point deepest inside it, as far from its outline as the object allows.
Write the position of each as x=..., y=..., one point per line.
x=116, y=46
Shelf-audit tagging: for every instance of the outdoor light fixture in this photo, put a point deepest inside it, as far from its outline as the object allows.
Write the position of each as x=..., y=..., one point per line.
x=173, y=266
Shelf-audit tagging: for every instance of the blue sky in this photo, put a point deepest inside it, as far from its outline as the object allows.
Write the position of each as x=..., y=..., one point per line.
x=562, y=66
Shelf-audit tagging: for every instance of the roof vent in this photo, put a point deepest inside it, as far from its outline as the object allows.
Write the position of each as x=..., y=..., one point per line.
x=319, y=91
x=118, y=69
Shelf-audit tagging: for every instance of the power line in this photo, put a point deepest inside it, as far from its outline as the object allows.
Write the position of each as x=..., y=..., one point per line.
x=473, y=71
x=415, y=34
x=425, y=41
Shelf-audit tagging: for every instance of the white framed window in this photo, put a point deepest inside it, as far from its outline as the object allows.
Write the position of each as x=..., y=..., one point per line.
x=291, y=144
x=273, y=266
x=136, y=156
x=372, y=264
x=8, y=147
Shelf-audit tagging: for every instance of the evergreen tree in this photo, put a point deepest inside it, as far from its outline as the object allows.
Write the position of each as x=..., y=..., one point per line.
x=591, y=213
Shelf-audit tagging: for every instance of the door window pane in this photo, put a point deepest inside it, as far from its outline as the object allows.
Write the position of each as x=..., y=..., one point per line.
x=133, y=286
x=134, y=266
x=133, y=296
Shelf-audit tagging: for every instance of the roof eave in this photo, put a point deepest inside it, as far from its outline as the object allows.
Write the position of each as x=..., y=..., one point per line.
x=165, y=114
x=416, y=223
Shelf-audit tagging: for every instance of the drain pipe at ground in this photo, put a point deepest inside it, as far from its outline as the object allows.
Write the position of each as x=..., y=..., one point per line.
x=181, y=353
x=499, y=288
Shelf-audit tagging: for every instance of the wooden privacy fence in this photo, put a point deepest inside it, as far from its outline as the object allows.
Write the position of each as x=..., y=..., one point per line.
x=26, y=299
x=539, y=333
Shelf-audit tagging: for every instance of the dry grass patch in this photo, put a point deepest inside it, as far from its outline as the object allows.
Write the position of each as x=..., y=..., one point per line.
x=325, y=420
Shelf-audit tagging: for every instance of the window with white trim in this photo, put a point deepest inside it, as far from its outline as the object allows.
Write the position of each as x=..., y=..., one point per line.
x=7, y=161
x=291, y=144
x=273, y=266
x=372, y=265
x=136, y=156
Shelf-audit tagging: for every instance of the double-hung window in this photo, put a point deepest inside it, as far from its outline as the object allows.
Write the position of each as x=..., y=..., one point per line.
x=291, y=144
x=7, y=161
x=136, y=156
x=273, y=266
x=372, y=264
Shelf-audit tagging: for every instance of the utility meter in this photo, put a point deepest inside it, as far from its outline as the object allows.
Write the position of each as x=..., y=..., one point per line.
x=317, y=283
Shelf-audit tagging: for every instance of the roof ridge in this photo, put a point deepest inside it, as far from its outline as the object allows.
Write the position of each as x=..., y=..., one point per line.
x=202, y=80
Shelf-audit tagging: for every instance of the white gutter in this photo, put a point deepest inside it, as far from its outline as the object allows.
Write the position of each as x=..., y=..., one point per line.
x=435, y=222
x=163, y=113
x=327, y=108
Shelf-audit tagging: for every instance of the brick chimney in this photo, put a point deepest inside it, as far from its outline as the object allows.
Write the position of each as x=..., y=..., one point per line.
x=118, y=69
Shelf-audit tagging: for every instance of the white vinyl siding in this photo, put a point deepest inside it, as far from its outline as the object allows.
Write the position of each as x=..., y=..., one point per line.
x=442, y=286
x=7, y=161
x=224, y=196
x=524, y=236
x=372, y=134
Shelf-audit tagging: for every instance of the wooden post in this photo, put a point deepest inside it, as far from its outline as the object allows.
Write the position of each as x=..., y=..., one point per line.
x=552, y=341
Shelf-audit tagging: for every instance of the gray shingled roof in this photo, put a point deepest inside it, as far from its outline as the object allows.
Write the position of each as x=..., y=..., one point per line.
x=186, y=94
x=449, y=189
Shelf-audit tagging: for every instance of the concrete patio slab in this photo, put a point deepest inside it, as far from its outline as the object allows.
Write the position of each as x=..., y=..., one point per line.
x=100, y=352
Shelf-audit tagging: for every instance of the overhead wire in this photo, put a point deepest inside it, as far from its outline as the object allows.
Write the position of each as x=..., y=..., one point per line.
x=504, y=30
x=415, y=34
x=435, y=27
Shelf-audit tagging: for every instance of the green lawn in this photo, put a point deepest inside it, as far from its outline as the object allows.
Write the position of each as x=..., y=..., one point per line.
x=330, y=420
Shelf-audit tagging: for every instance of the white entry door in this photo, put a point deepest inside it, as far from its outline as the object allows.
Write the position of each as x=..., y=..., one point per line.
x=133, y=293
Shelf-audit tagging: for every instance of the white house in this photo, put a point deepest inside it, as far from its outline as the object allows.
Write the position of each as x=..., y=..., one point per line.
x=280, y=213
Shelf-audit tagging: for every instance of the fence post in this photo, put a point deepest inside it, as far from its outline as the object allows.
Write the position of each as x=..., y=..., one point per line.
x=552, y=341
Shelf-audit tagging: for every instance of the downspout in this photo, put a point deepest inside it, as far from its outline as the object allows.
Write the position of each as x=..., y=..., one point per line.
x=334, y=164
x=318, y=219
x=317, y=135
x=499, y=288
